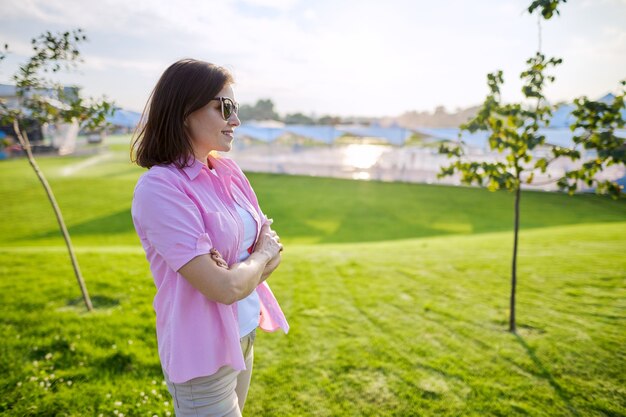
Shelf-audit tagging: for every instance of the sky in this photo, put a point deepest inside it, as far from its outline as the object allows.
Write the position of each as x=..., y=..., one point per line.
x=340, y=57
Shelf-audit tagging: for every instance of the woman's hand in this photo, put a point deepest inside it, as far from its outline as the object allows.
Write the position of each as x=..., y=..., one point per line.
x=268, y=243
x=271, y=266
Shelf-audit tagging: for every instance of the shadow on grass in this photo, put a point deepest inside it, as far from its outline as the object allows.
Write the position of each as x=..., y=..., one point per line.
x=545, y=373
x=99, y=302
x=115, y=223
x=320, y=210
x=117, y=363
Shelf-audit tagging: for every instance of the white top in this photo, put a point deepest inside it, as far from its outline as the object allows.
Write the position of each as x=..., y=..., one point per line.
x=249, y=308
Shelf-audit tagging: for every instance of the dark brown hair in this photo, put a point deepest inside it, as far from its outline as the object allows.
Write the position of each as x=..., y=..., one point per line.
x=186, y=86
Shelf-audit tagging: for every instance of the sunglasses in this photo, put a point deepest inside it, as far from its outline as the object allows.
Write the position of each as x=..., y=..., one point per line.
x=228, y=107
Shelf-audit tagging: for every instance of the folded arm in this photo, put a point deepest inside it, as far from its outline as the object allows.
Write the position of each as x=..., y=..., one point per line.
x=210, y=274
x=222, y=284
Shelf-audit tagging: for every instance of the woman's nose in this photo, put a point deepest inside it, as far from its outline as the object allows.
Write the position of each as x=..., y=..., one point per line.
x=233, y=120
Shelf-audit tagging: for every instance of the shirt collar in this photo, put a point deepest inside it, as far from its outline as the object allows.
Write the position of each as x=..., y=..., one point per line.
x=196, y=166
x=192, y=168
x=221, y=166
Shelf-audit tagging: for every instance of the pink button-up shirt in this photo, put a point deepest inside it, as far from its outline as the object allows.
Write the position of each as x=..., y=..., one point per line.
x=178, y=215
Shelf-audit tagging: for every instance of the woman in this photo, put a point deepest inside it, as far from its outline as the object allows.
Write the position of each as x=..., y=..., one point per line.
x=209, y=245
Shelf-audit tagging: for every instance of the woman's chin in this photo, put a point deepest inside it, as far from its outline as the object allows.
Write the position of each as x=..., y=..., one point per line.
x=227, y=147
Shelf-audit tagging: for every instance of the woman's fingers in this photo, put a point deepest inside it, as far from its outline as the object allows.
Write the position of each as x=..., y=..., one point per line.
x=279, y=245
x=269, y=241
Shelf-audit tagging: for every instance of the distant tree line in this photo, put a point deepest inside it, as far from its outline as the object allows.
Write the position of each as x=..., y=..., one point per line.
x=263, y=109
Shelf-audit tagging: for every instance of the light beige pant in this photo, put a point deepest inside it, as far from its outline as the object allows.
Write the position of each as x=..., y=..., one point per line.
x=221, y=394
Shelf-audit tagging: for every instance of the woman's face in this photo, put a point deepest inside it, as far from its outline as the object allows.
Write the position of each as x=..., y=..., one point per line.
x=208, y=130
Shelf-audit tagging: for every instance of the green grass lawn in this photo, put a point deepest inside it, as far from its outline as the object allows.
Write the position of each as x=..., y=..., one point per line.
x=397, y=297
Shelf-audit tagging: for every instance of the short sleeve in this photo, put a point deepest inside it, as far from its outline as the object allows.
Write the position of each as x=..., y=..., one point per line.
x=170, y=221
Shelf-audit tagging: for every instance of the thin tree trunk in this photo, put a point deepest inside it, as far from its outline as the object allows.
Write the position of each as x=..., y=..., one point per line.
x=539, y=32
x=23, y=138
x=512, y=326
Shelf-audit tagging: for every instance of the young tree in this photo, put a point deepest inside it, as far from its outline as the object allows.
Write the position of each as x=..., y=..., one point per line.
x=514, y=132
x=41, y=101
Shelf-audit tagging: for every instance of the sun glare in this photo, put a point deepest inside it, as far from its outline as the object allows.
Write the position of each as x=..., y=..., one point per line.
x=362, y=156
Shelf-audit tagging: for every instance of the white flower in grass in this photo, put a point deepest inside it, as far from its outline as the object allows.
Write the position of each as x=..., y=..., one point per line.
x=117, y=403
x=69, y=383
x=130, y=342
x=48, y=356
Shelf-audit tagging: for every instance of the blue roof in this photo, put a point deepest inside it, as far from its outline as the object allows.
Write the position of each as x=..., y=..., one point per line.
x=562, y=117
x=393, y=135
x=476, y=139
x=7, y=90
x=326, y=134
x=265, y=134
x=559, y=137
x=124, y=118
